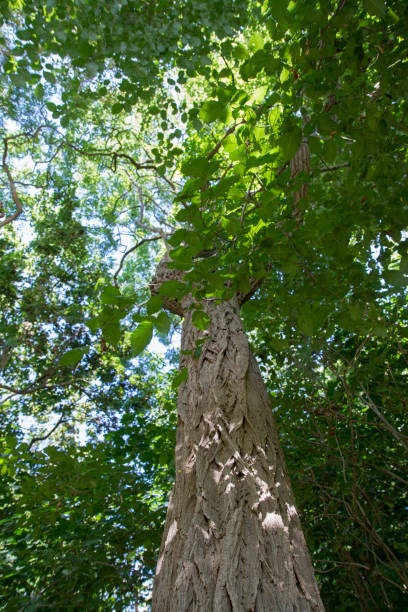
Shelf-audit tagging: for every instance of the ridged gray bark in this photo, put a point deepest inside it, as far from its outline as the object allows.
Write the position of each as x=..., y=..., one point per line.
x=232, y=540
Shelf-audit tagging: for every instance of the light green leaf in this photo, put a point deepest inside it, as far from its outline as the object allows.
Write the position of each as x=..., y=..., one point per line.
x=213, y=110
x=230, y=143
x=258, y=95
x=110, y=295
x=256, y=41
x=284, y=75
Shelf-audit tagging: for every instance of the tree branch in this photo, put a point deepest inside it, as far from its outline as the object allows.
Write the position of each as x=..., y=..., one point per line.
x=41, y=438
x=16, y=199
x=397, y=435
x=215, y=150
x=333, y=168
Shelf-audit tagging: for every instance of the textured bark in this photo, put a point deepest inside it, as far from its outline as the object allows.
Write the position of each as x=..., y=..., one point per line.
x=299, y=163
x=232, y=539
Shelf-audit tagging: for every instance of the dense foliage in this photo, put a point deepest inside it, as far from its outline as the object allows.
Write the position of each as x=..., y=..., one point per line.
x=128, y=125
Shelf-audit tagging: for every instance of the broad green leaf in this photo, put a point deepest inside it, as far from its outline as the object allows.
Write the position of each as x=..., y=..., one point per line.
x=162, y=323
x=305, y=321
x=196, y=167
x=275, y=115
x=110, y=295
x=289, y=142
x=329, y=151
x=94, y=323
x=232, y=224
x=230, y=143
x=154, y=304
x=240, y=52
x=39, y=91
x=375, y=7
x=173, y=288
x=258, y=95
x=182, y=254
x=256, y=41
x=140, y=338
x=278, y=9
x=177, y=238
x=213, y=110
x=284, y=75
x=72, y=357
x=111, y=332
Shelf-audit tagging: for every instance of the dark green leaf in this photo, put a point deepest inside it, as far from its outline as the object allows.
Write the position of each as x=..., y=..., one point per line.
x=72, y=357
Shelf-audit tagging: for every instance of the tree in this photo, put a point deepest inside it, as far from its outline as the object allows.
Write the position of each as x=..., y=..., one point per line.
x=232, y=538
x=222, y=108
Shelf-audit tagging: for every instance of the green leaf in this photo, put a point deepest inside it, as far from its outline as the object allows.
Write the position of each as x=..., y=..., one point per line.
x=259, y=94
x=196, y=167
x=305, y=321
x=256, y=41
x=380, y=331
x=94, y=323
x=112, y=333
x=117, y=108
x=162, y=323
x=329, y=151
x=173, y=288
x=141, y=337
x=180, y=378
x=275, y=115
x=375, y=7
x=154, y=304
x=278, y=9
x=110, y=295
x=39, y=91
x=72, y=357
x=213, y=110
x=240, y=52
x=289, y=142
x=200, y=319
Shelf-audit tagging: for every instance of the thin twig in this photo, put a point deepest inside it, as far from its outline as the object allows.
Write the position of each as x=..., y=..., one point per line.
x=333, y=168
x=41, y=438
x=133, y=248
x=369, y=402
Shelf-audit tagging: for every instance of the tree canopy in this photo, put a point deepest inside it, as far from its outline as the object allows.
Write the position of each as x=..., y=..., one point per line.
x=132, y=127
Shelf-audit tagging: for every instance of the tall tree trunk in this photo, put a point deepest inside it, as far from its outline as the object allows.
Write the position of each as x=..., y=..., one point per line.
x=232, y=539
